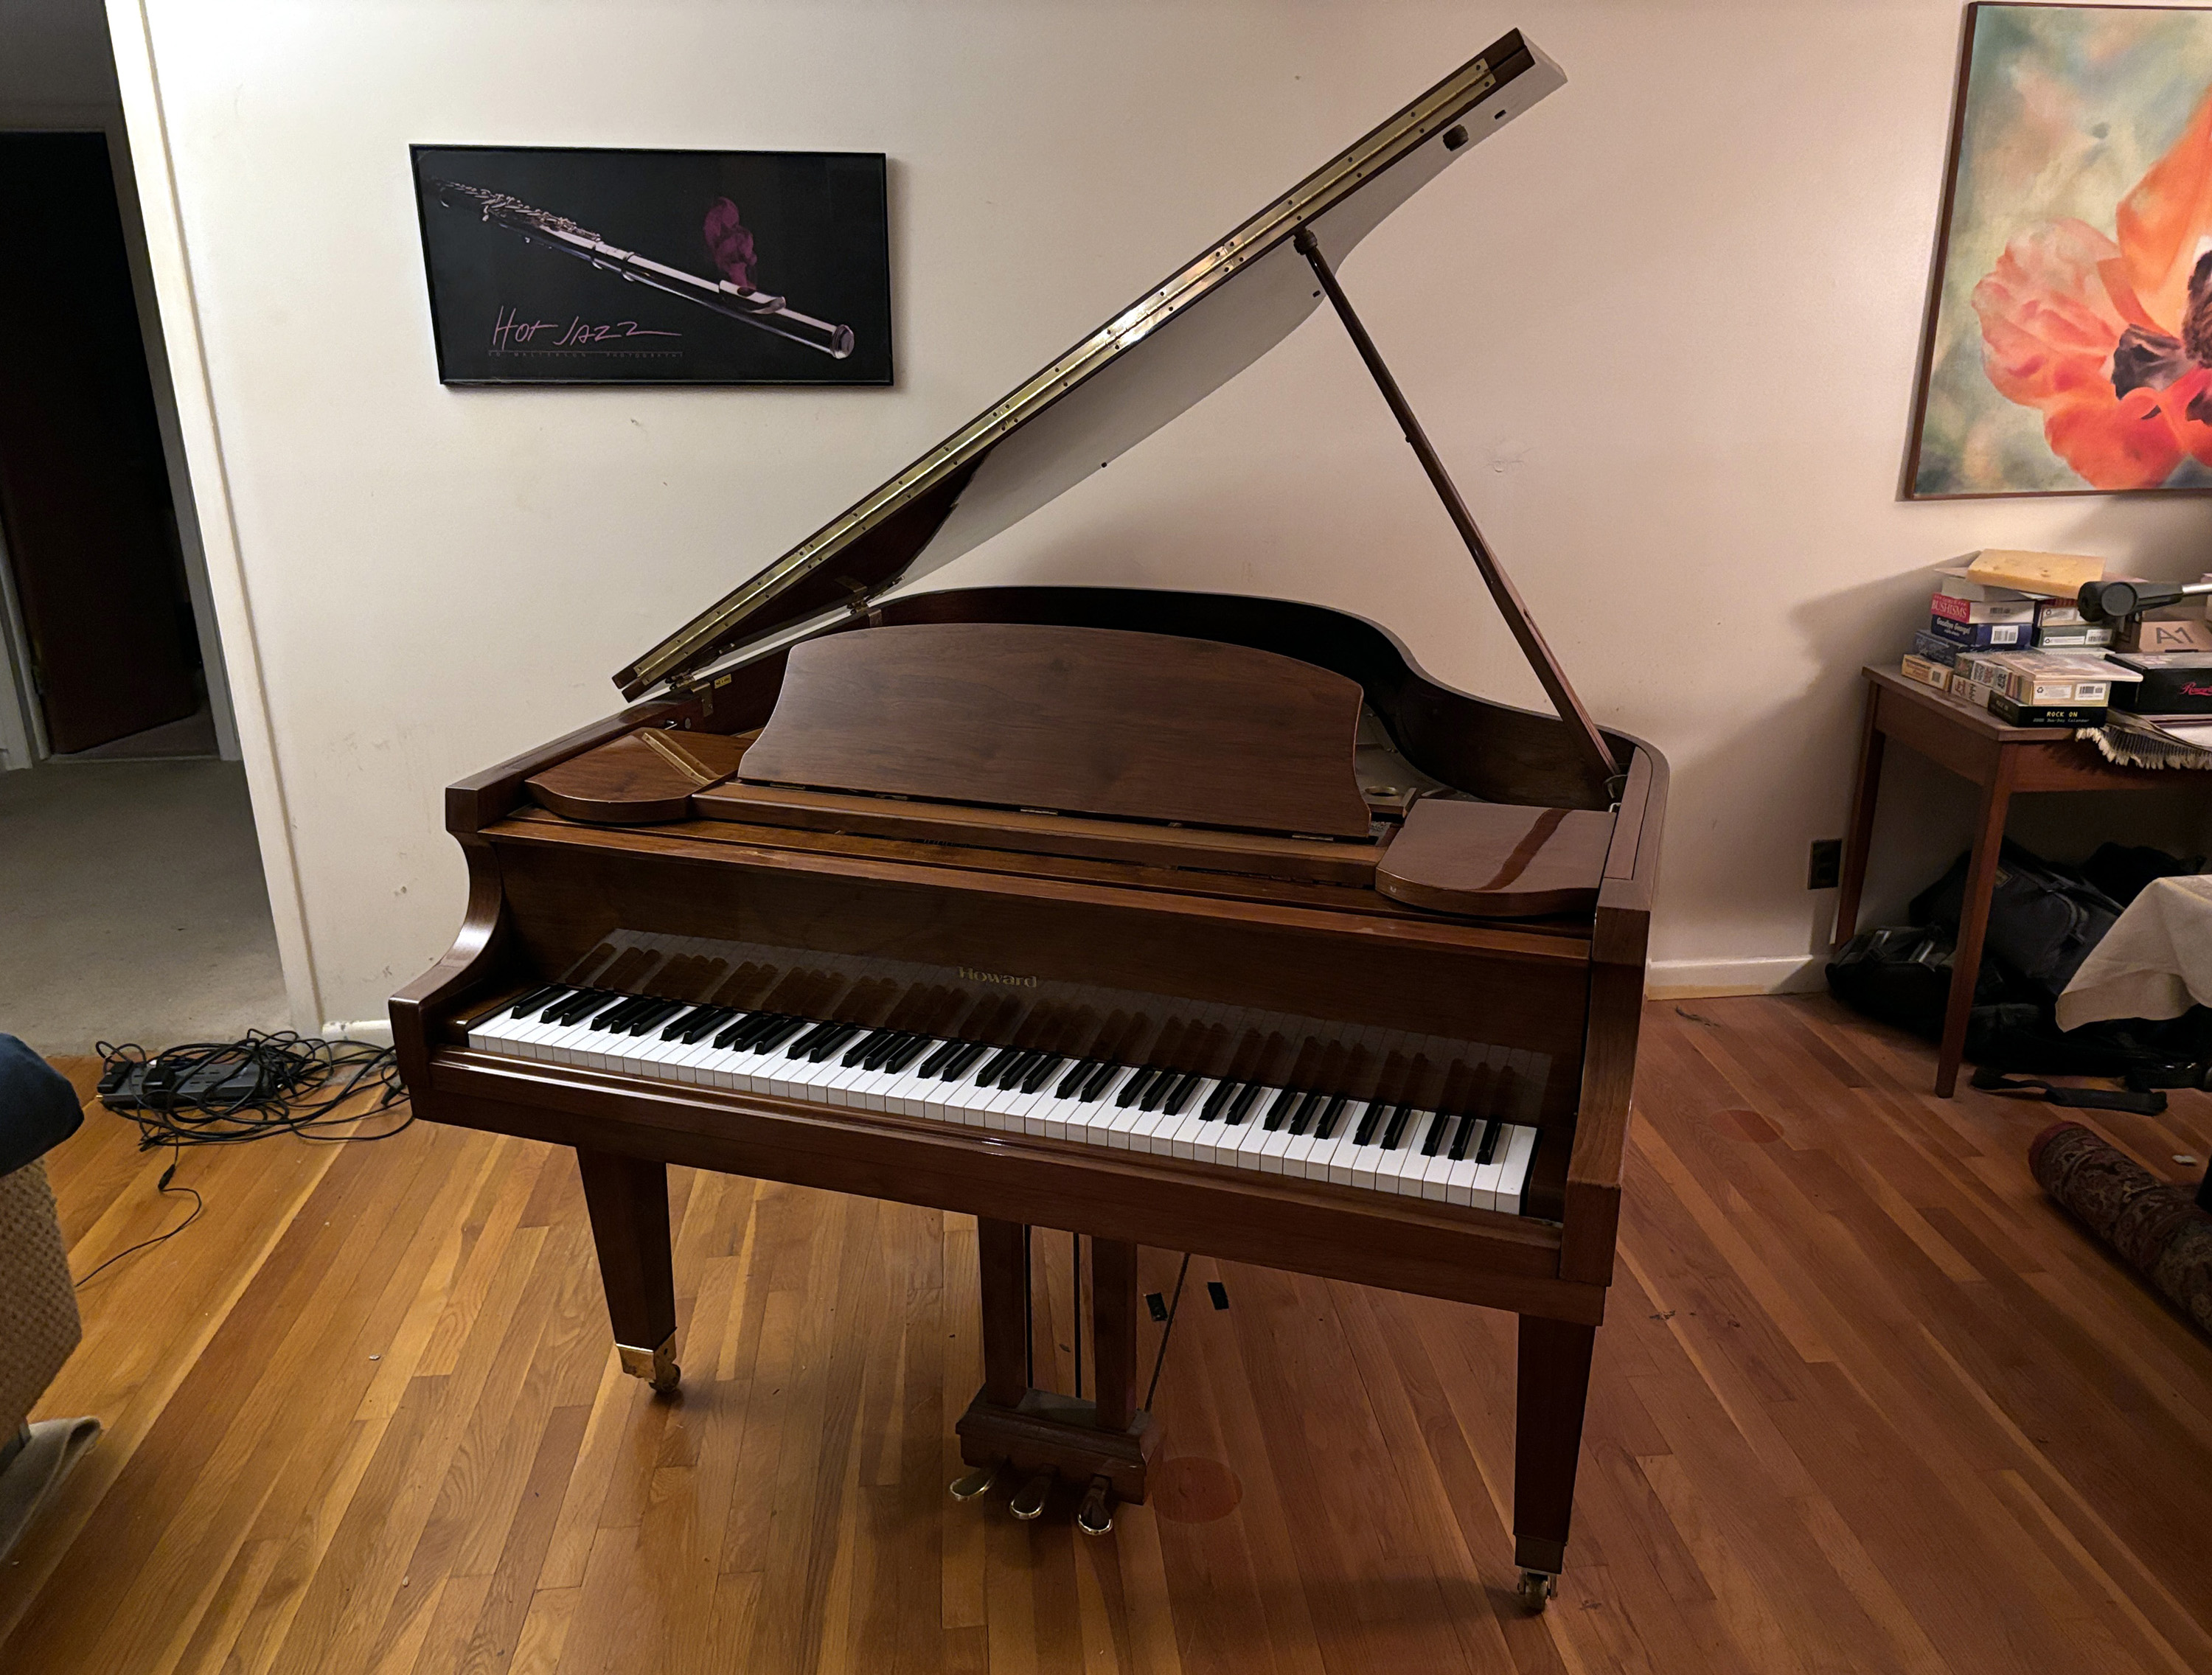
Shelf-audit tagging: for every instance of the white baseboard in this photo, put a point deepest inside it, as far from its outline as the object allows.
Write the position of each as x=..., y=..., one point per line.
x=376, y=1031
x=1689, y=980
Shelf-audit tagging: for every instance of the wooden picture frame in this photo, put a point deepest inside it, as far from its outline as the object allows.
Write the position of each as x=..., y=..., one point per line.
x=2054, y=358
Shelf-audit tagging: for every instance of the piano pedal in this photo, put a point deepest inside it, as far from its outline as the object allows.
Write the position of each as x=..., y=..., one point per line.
x=1030, y=1502
x=976, y=1482
x=1537, y=1586
x=1096, y=1515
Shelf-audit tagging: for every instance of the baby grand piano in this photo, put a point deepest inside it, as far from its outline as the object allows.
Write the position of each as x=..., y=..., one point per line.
x=1203, y=922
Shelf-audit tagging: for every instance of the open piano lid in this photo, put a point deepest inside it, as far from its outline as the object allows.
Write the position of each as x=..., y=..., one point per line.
x=1170, y=347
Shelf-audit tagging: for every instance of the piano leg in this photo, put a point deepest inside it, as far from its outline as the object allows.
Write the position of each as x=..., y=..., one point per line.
x=1114, y=1331
x=1551, y=1390
x=627, y=1199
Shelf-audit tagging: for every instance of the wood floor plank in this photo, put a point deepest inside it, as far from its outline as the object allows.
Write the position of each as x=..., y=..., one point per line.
x=1865, y=1401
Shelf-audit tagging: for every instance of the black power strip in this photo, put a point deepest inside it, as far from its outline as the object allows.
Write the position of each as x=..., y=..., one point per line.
x=190, y=1084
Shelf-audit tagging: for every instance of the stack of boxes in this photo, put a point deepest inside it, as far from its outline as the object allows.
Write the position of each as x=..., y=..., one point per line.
x=2033, y=660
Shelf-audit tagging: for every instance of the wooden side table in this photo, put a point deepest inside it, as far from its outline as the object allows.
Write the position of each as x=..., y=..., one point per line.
x=2001, y=760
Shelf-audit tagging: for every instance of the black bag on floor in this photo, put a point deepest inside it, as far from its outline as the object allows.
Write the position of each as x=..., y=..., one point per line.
x=2043, y=919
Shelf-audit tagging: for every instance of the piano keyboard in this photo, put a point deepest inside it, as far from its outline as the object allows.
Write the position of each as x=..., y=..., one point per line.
x=1446, y=1156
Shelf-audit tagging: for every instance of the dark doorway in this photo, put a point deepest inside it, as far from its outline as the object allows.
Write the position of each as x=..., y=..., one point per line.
x=85, y=510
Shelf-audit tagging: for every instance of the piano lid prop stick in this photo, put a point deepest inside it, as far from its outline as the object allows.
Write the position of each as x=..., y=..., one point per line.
x=557, y=232
x=1547, y=667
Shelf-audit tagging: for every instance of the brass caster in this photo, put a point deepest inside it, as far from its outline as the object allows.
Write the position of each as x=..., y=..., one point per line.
x=969, y=1487
x=1096, y=1515
x=1029, y=1503
x=657, y=1366
x=1537, y=1586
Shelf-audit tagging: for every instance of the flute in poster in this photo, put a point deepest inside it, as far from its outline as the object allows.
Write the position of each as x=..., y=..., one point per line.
x=548, y=231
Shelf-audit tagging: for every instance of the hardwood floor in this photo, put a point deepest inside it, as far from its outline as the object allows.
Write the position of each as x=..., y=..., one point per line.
x=1864, y=1401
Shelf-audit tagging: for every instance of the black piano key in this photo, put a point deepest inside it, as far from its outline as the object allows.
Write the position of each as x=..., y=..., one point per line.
x=1370, y=1120
x=1011, y=1076
x=743, y=1029
x=553, y=1009
x=1180, y=1096
x=881, y=1050
x=822, y=1050
x=1001, y=1061
x=654, y=1017
x=937, y=1061
x=806, y=1043
x=703, y=1022
x=1224, y=1091
x=1156, y=1094
x=1042, y=1072
x=1101, y=1080
x=1394, y=1131
x=615, y=1018
x=1331, y=1115
x=1284, y=1101
x=899, y=1058
x=531, y=1003
x=1078, y=1074
x=747, y=1036
x=1438, y=1127
x=1240, y=1106
x=777, y=1035
x=671, y=1029
x=1488, y=1149
x=578, y=1006
x=1463, y=1131
x=596, y=1008
x=1309, y=1108
x=962, y=1062
x=870, y=1045
x=1135, y=1088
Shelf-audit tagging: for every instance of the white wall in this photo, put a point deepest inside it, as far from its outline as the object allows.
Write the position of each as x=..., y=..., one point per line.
x=1665, y=328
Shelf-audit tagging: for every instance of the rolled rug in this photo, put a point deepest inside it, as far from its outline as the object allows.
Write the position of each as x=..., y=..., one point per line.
x=2156, y=1227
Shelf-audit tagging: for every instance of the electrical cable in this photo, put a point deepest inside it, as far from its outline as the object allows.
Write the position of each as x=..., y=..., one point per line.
x=286, y=1084
x=225, y=1093
x=1160, y=1360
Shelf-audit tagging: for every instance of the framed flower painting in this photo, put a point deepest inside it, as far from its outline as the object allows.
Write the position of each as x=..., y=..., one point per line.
x=2068, y=345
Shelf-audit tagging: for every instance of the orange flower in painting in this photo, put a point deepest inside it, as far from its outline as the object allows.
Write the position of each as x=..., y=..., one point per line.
x=2112, y=342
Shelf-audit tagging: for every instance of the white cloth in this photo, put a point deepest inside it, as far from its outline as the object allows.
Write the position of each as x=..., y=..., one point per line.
x=36, y=1471
x=2155, y=963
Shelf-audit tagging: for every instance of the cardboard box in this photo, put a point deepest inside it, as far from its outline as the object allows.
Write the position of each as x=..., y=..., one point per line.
x=1936, y=648
x=1954, y=609
x=2150, y=634
x=2059, y=575
x=2015, y=714
x=1927, y=672
x=1958, y=582
x=2047, y=679
x=1981, y=636
x=2172, y=683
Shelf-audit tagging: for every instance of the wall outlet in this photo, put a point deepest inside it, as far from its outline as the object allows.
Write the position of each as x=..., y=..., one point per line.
x=1823, y=868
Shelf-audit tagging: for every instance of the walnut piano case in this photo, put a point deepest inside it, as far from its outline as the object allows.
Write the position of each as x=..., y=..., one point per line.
x=1197, y=920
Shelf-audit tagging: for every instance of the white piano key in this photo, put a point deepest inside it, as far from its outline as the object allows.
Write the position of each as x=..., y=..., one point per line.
x=1513, y=1184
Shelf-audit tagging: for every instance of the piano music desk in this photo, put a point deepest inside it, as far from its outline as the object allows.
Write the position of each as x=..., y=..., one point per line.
x=2001, y=760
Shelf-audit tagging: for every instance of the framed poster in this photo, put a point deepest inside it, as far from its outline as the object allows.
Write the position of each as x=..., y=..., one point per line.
x=2069, y=341
x=569, y=266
